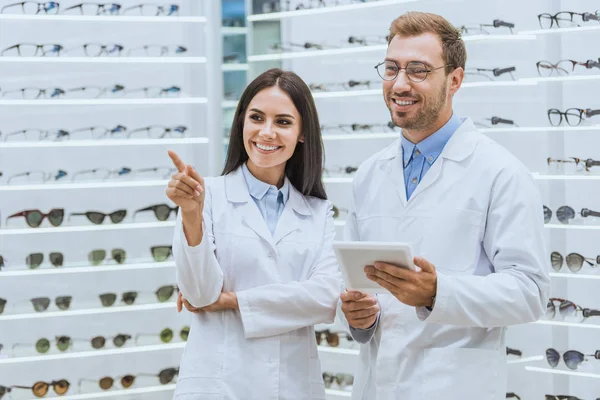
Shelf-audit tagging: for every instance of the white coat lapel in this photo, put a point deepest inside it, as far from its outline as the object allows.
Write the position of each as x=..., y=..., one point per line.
x=391, y=163
x=236, y=191
x=288, y=222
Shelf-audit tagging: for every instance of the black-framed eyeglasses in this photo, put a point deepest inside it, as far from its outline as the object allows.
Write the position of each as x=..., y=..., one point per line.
x=563, y=67
x=574, y=261
x=99, y=49
x=561, y=397
x=568, y=309
x=96, y=8
x=580, y=164
x=416, y=71
x=495, y=72
x=33, y=50
x=160, y=131
x=162, y=212
x=96, y=132
x=565, y=214
x=34, y=93
x=572, y=358
x=348, y=85
x=156, y=50
x=480, y=29
x=565, y=19
x=155, y=91
x=573, y=116
x=97, y=217
x=39, y=176
x=34, y=7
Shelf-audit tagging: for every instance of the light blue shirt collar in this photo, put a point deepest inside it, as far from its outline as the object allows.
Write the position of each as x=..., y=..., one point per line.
x=432, y=146
x=258, y=189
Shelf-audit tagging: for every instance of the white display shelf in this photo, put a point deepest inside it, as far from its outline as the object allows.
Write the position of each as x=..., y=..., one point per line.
x=556, y=177
x=93, y=353
x=338, y=180
x=568, y=324
x=103, y=143
x=105, y=60
x=317, y=53
x=324, y=350
x=525, y=360
x=573, y=276
x=570, y=78
x=6, y=272
x=498, y=38
x=561, y=30
x=563, y=372
x=348, y=93
x=116, y=393
x=518, y=82
x=86, y=228
x=233, y=30
x=361, y=136
x=105, y=102
x=561, y=226
x=325, y=10
x=89, y=311
x=332, y=394
x=234, y=67
x=339, y=223
x=338, y=360
x=84, y=185
x=541, y=129
x=99, y=18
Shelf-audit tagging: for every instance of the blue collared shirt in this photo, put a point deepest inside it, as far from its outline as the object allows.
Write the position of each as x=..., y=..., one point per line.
x=268, y=198
x=418, y=158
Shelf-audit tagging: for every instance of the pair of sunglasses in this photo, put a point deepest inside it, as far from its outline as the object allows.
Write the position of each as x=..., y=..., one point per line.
x=40, y=389
x=96, y=257
x=564, y=214
x=41, y=304
x=574, y=261
x=164, y=293
x=34, y=218
x=568, y=309
x=167, y=335
x=34, y=260
x=161, y=253
x=162, y=212
x=98, y=217
x=165, y=376
x=332, y=338
x=572, y=358
x=63, y=343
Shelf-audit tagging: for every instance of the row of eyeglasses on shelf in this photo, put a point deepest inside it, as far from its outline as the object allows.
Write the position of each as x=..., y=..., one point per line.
x=90, y=8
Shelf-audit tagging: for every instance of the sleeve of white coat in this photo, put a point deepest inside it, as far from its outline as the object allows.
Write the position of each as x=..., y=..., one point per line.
x=199, y=275
x=351, y=234
x=517, y=291
x=283, y=307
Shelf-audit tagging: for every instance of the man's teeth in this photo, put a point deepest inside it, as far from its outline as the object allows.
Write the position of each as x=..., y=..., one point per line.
x=266, y=148
x=404, y=103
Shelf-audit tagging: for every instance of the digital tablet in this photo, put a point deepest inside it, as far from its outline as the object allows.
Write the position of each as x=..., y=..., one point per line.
x=354, y=256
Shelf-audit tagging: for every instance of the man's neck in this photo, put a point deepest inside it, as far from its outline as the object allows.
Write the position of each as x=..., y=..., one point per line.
x=417, y=136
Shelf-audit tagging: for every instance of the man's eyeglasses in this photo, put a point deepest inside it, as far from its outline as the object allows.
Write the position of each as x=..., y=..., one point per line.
x=566, y=19
x=33, y=7
x=565, y=214
x=480, y=29
x=568, y=309
x=572, y=358
x=563, y=67
x=416, y=71
x=574, y=261
x=495, y=72
x=573, y=116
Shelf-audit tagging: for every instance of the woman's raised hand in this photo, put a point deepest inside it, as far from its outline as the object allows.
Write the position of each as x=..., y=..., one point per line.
x=186, y=187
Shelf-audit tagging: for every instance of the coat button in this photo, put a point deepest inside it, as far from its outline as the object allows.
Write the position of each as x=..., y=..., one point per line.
x=415, y=180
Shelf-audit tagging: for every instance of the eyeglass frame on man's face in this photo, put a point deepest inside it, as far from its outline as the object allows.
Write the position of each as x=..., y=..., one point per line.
x=428, y=69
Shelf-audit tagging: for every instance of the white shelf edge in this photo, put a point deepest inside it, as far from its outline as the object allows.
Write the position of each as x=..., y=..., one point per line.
x=550, y=177
x=89, y=311
x=104, y=143
x=498, y=38
x=340, y=351
x=234, y=30
x=104, y=102
x=117, y=393
x=99, y=18
x=583, y=227
x=360, y=136
x=316, y=53
x=324, y=10
x=570, y=78
x=105, y=60
x=84, y=228
x=229, y=104
x=347, y=93
x=518, y=82
x=541, y=129
x=573, y=276
x=234, y=67
x=525, y=360
x=84, y=185
x=333, y=394
x=562, y=372
x=567, y=324
x=6, y=272
x=96, y=353
x=560, y=30
x=338, y=180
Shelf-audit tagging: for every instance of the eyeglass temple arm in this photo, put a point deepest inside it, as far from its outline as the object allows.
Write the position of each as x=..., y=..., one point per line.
x=590, y=113
x=19, y=214
x=500, y=71
x=514, y=352
x=511, y=395
x=588, y=312
x=498, y=22
x=590, y=16
x=75, y=215
x=498, y=120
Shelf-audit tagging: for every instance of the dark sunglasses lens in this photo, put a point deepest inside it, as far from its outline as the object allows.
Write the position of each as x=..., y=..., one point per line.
x=564, y=214
x=95, y=217
x=550, y=310
x=552, y=357
x=127, y=381
x=547, y=214
x=40, y=389
x=129, y=297
x=63, y=302
x=118, y=255
x=56, y=216
x=61, y=387
x=2, y=304
x=96, y=256
x=161, y=253
x=166, y=375
x=333, y=339
x=557, y=260
x=162, y=212
x=575, y=262
x=185, y=333
x=98, y=342
x=34, y=260
x=42, y=346
x=1, y=262
x=118, y=216
x=63, y=343
x=573, y=359
x=164, y=293
x=108, y=299
x=106, y=383
x=40, y=303
x=34, y=218
x=120, y=340
x=166, y=335
x=57, y=259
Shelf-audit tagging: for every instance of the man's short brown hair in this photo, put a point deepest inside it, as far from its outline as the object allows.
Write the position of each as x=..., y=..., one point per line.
x=415, y=23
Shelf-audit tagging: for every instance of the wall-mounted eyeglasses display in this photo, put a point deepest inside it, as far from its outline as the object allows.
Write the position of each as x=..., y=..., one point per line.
x=166, y=335
x=90, y=92
x=335, y=170
x=574, y=261
x=162, y=212
x=367, y=40
x=489, y=73
x=338, y=381
x=90, y=50
x=350, y=128
x=290, y=46
x=348, y=85
x=564, y=67
x=568, y=310
x=165, y=376
x=483, y=29
x=573, y=116
x=37, y=176
x=565, y=214
x=572, y=358
x=90, y=8
x=567, y=19
x=580, y=164
x=493, y=121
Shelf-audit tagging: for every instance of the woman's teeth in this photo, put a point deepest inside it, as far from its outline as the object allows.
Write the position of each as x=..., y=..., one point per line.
x=266, y=148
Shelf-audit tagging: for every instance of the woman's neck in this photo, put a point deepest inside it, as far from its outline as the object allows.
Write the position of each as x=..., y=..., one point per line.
x=272, y=175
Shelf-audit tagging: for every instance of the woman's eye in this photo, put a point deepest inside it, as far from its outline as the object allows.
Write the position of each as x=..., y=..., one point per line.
x=284, y=122
x=255, y=117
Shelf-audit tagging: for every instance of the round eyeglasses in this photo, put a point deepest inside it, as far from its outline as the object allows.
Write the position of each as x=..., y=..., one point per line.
x=416, y=71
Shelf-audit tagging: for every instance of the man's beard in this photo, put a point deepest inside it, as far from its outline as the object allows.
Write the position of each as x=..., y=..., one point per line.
x=425, y=117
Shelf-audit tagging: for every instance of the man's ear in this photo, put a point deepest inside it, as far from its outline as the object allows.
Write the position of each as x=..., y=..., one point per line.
x=456, y=79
